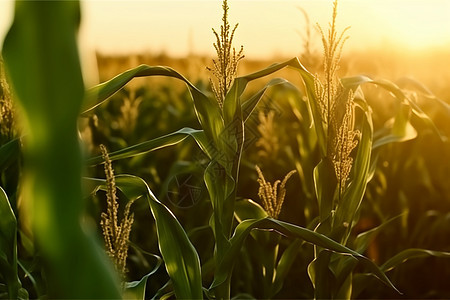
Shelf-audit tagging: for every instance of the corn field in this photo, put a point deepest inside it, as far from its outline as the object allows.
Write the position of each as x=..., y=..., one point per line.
x=290, y=181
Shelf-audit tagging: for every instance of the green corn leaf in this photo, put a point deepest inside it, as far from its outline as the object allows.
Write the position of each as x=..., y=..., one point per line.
x=41, y=58
x=308, y=80
x=157, y=143
x=8, y=246
x=355, y=81
x=410, y=133
x=235, y=113
x=164, y=292
x=400, y=95
x=361, y=281
x=343, y=267
x=179, y=168
x=363, y=239
x=232, y=103
x=240, y=83
x=248, y=209
x=401, y=131
x=136, y=289
x=401, y=121
x=321, y=276
x=325, y=187
x=359, y=174
x=180, y=257
x=284, y=265
x=221, y=188
x=31, y=278
x=411, y=254
x=243, y=229
x=9, y=152
x=207, y=108
x=221, y=174
x=249, y=106
x=266, y=247
x=346, y=287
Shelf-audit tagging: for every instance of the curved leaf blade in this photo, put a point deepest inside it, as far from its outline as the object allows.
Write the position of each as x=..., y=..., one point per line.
x=8, y=246
x=411, y=254
x=290, y=230
x=41, y=57
x=155, y=144
x=360, y=175
x=249, y=106
x=207, y=109
x=248, y=209
x=136, y=289
x=363, y=239
x=308, y=80
x=401, y=130
x=284, y=265
x=180, y=257
x=400, y=95
x=325, y=182
x=221, y=188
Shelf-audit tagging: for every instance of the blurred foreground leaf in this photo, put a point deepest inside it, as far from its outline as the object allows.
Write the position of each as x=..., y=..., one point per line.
x=41, y=59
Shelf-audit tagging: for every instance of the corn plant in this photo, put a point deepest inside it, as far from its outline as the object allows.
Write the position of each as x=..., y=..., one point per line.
x=222, y=116
x=52, y=96
x=345, y=138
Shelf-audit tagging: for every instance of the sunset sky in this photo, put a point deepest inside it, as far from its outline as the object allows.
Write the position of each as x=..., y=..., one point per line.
x=266, y=28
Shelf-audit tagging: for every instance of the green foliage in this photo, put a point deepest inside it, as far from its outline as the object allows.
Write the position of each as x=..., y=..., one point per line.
x=180, y=258
x=8, y=250
x=335, y=238
x=40, y=53
x=9, y=153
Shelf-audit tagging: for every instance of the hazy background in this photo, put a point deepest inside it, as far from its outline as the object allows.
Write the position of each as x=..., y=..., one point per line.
x=266, y=28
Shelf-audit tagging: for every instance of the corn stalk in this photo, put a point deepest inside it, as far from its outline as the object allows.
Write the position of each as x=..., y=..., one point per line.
x=41, y=59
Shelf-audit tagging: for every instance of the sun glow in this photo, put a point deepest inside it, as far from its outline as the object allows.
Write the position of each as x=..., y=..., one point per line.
x=179, y=27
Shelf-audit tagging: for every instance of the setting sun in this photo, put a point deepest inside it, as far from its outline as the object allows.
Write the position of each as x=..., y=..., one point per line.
x=225, y=149
x=177, y=27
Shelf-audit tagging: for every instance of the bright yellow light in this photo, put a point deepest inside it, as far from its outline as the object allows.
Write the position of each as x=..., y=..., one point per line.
x=265, y=27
